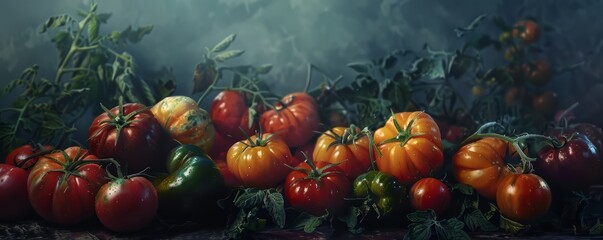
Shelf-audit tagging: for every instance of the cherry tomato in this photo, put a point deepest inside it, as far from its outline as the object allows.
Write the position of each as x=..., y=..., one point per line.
x=126, y=205
x=14, y=199
x=317, y=189
x=545, y=103
x=455, y=133
x=526, y=30
x=538, y=72
x=514, y=95
x=430, y=193
x=523, y=197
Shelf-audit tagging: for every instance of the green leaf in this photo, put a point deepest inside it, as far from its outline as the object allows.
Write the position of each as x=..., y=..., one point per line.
x=476, y=220
x=263, y=69
x=351, y=220
x=250, y=198
x=223, y=56
x=103, y=17
x=429, y=67
x=55, y=22
x=389, y=61
x=421, y=216
x=224, y=44
x=596, y=229
x=93, y=28
x=62, y=41
x=483, y=41
x=130, y=36
x=511, y=226
x=275, y=205
x=360, y=67
x=11, y=86
x=460, y=31
x=501, y=24
x=419, y=231
x=463, y=188
x=453, y=229
x=308, y=222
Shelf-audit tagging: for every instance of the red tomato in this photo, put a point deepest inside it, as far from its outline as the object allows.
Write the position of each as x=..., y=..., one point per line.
x=308, y=149
x=260, y=162
x=430, y=193
x=411, y=147
x=126, y=205
x=14, y=200
x=129, y=134
x=455, y=133
x=526, y=30
x=317, y=189
x=523, y=197
x=545, y=103
x=63, y=184
x=295, y=120
x=22, y=153
x=538, y=72
x=230, y=114
x=348, y=147
x=576, y=164
x=229, y=179
x=220, y=147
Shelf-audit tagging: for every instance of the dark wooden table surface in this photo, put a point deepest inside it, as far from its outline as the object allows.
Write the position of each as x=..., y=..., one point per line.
x=38, y=229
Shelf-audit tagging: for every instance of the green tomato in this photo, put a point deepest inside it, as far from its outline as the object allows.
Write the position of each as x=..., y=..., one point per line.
x=382, y=188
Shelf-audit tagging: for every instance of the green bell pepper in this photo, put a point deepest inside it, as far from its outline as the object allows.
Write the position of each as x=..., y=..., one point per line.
x=193, y=184
x=383, y=189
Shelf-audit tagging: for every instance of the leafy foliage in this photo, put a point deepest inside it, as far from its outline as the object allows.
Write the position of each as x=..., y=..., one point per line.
x=46, y=109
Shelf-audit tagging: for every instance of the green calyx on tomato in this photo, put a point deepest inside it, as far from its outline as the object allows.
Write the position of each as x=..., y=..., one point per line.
x=403, y=134
x=193, y=182
x=120, y=120
x=380, y=188
x=313, y=173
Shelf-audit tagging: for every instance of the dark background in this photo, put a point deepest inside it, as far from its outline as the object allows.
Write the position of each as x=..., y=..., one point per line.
x=291, y=33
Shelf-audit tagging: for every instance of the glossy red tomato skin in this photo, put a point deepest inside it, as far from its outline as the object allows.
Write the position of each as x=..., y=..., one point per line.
x=308, y=196
x=526, y=30
x=430, y=193
x=138, y=145
x=296, y=122
x=229, y=114
x=14, y=199
x=126, y=205
x=70, y=201
x=21, y=153
x=575, y=165
x=523, y=197
x=229, y=179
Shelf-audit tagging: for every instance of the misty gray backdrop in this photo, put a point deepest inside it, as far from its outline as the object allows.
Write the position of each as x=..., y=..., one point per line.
x=291, y=33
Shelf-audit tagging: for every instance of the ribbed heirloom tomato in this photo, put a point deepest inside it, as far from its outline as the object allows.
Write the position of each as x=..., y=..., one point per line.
x=295, y=119
x=261, y=161
x=411, y=147
x=128, y=133
x=63, y=184
x=481, y=165
x=349, y=147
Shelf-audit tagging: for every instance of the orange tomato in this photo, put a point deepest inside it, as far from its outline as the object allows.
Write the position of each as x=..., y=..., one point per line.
x=346, y=146
x=260, y=162
x=481, y=165
x=411, y=146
